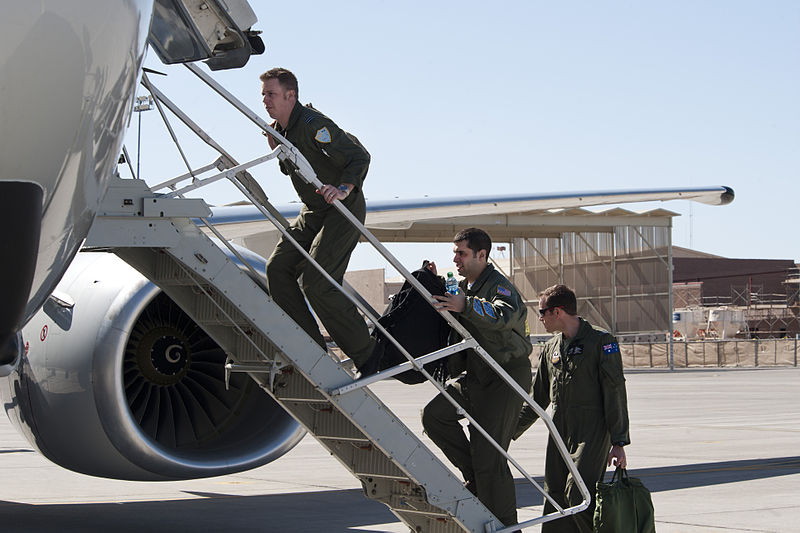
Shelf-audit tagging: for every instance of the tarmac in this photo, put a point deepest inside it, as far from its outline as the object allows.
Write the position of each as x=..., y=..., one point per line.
x=719, y=450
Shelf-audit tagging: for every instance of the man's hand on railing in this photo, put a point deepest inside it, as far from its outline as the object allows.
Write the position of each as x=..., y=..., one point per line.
x=270, y=139
x=332, y=193
x=455, y=303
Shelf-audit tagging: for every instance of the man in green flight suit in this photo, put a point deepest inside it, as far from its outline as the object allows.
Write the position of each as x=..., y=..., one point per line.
x=341, y=164
x=492, y=310
x=580, y=373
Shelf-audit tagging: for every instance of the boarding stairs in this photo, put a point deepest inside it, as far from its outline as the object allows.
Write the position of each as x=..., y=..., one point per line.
x=160, y=235
x=393, y=465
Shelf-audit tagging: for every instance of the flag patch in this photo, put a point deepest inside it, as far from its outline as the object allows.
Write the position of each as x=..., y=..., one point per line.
x=503, y=291
x=611, y=348
x=487, y=307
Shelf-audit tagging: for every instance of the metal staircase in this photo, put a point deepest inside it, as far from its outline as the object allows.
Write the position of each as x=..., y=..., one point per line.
x=393, y=465
x=159, y=235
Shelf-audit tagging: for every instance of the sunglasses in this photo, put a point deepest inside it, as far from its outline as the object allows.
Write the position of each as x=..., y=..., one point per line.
x=544, y=311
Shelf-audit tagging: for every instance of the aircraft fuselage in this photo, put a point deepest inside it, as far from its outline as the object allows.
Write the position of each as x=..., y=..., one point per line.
x=68, y=71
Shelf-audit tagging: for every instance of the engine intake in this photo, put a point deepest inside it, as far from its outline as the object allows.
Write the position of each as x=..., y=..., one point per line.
x=130, y=387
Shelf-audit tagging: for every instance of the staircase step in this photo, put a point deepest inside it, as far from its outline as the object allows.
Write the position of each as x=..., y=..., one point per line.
x=218, y=310
x=166, y=271
x=291, y=385
x=364, y=459
x=324, y=421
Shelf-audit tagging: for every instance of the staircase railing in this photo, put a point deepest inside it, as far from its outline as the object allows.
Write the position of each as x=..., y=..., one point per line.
x=228, y=168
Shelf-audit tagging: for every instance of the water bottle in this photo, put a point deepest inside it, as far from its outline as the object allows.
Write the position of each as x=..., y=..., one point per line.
x=451, y=284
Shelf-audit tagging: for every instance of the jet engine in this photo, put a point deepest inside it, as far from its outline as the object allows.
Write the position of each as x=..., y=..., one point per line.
x=117, y=381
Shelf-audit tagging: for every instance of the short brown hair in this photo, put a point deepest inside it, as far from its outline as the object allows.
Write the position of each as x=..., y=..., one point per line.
x=285, y=78
x=476, y=238
x=560, y=296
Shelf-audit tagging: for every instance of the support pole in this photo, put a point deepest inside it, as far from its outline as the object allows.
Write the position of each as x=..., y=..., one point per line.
x=671, y=302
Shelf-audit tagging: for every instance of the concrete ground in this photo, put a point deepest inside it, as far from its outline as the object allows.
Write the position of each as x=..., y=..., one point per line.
x=719, y=450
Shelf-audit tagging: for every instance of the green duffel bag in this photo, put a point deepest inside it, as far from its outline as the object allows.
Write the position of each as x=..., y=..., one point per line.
x=623, y=506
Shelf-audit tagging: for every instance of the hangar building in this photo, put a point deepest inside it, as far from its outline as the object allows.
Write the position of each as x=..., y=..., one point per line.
x=617, y=260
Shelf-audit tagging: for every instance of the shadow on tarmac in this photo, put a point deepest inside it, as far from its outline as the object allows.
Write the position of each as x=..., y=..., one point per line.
x=328, y=511
x=306, y=512
x=687, y=476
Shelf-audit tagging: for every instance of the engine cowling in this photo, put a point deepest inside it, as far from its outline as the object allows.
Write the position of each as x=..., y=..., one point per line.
x=117, y=381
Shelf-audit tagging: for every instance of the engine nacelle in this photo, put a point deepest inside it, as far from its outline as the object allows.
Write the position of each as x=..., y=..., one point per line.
x=117, y=381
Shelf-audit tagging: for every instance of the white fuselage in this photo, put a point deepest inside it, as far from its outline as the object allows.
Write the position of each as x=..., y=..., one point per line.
x=68, y=71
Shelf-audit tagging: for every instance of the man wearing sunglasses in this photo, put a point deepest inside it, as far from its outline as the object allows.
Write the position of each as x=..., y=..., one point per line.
x=580, y=373
x=492, y=310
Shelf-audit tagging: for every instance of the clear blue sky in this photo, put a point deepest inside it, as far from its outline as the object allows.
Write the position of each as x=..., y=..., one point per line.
x=475, y=97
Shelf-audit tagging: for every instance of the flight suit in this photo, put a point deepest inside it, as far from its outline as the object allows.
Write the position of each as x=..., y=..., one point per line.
x=337, y=157
x=495, y=316
x=583, y=379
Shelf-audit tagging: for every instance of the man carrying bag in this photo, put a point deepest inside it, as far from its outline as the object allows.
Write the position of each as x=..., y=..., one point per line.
x=623, y=506
x=418, y=327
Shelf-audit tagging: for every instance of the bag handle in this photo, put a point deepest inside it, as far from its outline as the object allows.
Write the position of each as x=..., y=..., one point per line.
x=623, y=476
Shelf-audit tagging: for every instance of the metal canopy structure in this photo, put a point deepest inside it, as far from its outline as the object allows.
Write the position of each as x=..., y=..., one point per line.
x=616, y=260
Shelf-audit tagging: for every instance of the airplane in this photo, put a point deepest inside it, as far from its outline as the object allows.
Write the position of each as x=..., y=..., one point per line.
x=68, y=73
x=118, y=382
x=99, y=374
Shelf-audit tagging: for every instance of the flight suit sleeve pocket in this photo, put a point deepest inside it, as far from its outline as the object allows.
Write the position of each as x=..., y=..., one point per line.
x=611, y=364
x=612, y=375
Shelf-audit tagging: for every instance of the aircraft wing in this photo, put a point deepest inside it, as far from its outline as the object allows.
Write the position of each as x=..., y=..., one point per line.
x=245, y=220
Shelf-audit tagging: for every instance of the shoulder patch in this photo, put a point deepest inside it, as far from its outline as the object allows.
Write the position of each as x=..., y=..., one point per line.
x=503, y=291
x=610, y=348
x=487, y=307
x=323, y=135
x=477, y=307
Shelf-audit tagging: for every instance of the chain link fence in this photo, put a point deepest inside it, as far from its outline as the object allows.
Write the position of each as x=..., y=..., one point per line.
x=706, y=353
